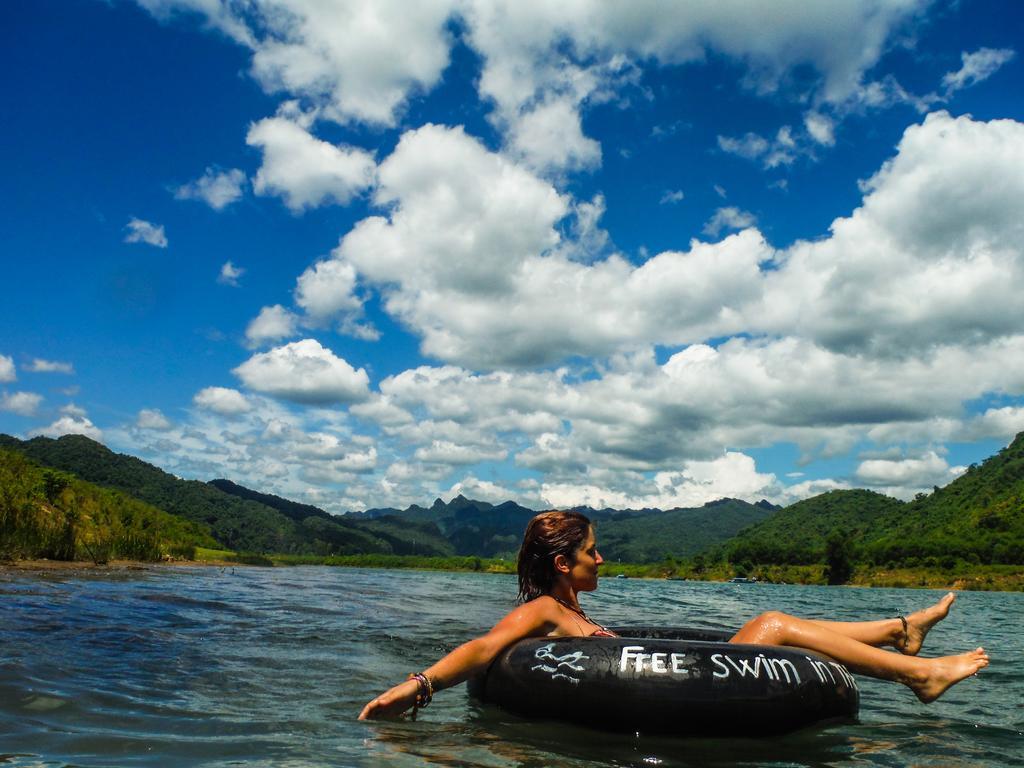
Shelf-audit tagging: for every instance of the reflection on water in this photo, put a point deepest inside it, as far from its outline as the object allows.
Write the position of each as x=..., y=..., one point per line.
x=271, y=666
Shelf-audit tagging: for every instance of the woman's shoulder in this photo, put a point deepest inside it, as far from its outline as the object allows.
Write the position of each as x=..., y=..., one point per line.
x=533, y=618
x=542, y=604
x=542, y=609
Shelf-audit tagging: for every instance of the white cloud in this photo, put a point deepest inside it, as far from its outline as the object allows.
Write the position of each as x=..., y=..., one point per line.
x=977, y=66
x=229, y=274
x=728, y=217
x=443, y=452
x=215, y=187
x=73, y=422
x=808, y=488
x=821, y=128
x=785, y=147
x=328, y=288
x=320, y=445
x=304, y=170
x=222, y=400
x=823, y=383
x=639, y=433
x=448, y=399
x=141, y=231
x=343, y=469
x=38, y=365
x=305, y=454
x=271, y=324
x=932, y=256
x=582, y=52
x=733, y=475
x=219, y=15
x=360, y=60
x=304, y=372
x=751, y=146
x=479, y=490
x=672, y=196
x=21, y=403
x=543, y=63
x=905, y=477
x=883, y=94
x=7, y=369
x=466, y=227
x=549, y=137
x=380, y=410
x=1005, y=423
x=152, y=418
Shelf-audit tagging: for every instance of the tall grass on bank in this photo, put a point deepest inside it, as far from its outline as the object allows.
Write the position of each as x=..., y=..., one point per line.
x=49, y=514
x=416, y=562
x=967, y=577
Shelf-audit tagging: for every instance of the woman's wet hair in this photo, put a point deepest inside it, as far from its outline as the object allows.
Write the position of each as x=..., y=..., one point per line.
x=547, y=535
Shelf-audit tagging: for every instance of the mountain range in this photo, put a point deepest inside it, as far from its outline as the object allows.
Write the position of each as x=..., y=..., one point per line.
x=978, y=517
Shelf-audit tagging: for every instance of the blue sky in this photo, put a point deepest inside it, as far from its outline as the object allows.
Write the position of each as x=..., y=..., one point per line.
x=368, y=254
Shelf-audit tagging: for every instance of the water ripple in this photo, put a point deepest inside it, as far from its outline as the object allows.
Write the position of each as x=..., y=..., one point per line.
x=270, y=666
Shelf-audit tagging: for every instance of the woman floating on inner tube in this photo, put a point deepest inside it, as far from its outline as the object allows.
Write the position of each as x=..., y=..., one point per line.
x=559, y=559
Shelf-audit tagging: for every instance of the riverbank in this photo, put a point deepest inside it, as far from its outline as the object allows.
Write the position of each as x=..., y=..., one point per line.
x=991, y=578
x=984, y=578
x=42, y=565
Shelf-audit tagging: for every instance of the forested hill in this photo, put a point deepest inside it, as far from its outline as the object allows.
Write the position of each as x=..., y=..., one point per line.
x=636, y=536
x=979, y=517
x=52, y=514
x=291, y=509
x=390, y=534
x=236, y=523
x=798, y=533
x=679, y=532
x=473, y=527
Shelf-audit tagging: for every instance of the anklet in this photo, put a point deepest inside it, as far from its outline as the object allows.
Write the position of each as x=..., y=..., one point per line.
x=906, y=634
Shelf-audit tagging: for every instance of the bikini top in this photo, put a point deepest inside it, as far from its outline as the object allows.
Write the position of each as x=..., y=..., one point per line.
x=601, y=631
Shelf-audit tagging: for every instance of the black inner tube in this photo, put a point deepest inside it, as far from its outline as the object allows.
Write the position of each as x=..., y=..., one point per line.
x=669, y=680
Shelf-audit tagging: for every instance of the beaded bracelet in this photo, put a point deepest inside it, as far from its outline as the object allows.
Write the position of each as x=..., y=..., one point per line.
x=424, y=694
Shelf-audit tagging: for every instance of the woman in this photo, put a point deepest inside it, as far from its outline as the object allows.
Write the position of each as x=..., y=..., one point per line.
x=559, y=559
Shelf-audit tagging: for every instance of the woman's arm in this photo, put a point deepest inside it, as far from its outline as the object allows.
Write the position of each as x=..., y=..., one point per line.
x=532, y=619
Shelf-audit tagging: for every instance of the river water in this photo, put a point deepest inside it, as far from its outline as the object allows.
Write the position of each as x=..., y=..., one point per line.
x=252, y=666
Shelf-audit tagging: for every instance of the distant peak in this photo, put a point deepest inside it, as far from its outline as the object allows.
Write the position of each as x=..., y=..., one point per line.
x=718, y=502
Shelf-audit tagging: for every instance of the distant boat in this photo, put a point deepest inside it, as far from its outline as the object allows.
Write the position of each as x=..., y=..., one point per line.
x=742, y=580
x=621, y=576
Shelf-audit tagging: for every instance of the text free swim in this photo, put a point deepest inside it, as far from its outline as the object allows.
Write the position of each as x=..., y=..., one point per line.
x=664, y=663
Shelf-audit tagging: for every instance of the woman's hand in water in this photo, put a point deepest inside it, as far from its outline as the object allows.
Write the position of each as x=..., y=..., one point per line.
x=534, y=619
x=393, y=702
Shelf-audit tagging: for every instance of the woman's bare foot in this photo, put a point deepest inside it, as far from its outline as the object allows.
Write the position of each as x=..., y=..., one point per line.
x=920, y=622
x=945, y=671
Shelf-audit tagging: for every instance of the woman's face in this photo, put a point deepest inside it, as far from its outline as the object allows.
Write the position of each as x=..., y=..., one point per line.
x=584, y=571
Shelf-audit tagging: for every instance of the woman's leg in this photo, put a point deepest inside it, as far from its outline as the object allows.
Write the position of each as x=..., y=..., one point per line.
x=876, y=633
x=928, y=678
x=890, y=631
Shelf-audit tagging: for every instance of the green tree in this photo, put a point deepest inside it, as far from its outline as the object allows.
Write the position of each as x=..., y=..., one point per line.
x=838, y=558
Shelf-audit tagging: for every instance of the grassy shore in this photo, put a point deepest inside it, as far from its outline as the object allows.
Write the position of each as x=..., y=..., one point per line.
x=990, y=578
x=1001, y=578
